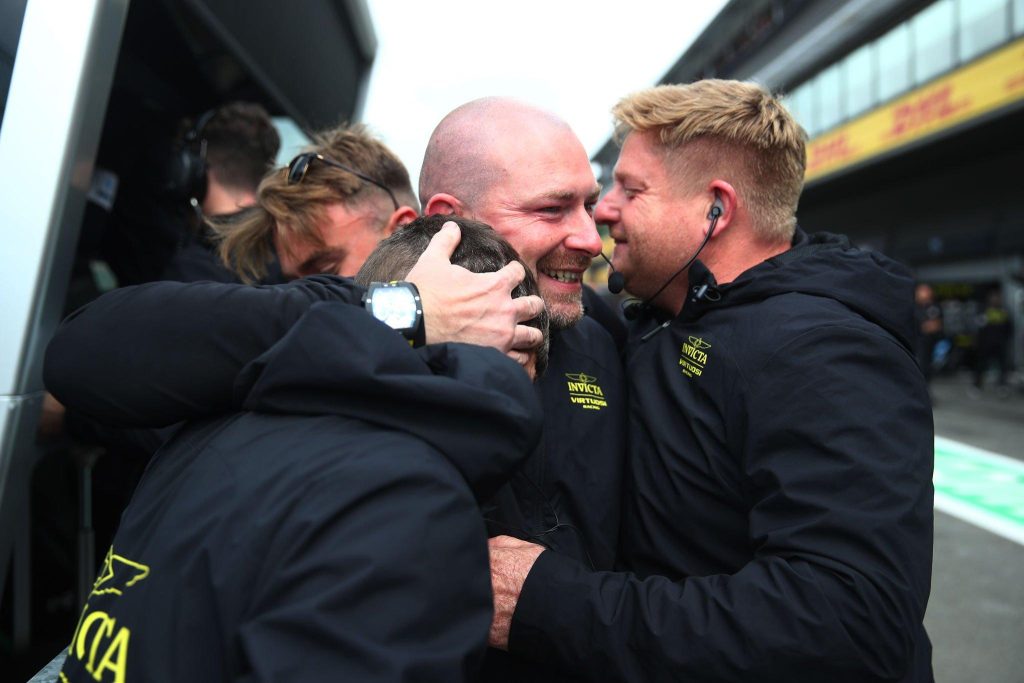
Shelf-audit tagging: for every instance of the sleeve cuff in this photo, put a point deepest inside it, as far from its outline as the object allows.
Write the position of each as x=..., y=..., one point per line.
x=550, y=610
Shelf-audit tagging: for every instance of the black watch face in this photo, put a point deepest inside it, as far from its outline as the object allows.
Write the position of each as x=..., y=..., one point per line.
x=395, y=307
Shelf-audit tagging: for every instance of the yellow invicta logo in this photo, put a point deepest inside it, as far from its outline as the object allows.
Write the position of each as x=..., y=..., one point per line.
x=585, y=392
x=100, y=643
x=693, y=356
x=118, y=573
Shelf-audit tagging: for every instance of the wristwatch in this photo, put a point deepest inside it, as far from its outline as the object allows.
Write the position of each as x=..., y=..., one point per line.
x=397, y=305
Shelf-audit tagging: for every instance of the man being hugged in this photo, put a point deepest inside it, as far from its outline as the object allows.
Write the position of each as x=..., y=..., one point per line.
x=329, y=529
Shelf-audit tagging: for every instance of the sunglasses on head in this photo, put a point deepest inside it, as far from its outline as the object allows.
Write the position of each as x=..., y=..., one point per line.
x=299, y=166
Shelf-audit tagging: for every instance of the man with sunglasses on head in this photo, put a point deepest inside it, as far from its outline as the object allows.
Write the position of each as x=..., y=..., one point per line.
x=323, y=213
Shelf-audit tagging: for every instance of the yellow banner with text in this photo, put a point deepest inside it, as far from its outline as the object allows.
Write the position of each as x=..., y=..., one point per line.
x=990, y=83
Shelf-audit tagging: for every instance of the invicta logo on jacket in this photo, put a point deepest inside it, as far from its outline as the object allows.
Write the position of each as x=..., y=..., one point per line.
x=693, y=356
x=585, y=392
x=99, y=642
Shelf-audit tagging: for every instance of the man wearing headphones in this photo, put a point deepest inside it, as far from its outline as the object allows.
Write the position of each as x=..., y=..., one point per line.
x=777, y=521
x=225, y=155
x=216, y=170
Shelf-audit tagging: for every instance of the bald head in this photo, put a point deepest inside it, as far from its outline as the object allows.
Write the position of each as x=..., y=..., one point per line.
x=473, y=147
x=524, y=172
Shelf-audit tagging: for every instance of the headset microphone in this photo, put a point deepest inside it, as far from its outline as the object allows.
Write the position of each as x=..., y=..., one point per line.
x=633, y=310
x=616, y=280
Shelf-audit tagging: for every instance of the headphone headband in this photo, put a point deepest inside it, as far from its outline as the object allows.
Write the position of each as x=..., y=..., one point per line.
x=196, y=131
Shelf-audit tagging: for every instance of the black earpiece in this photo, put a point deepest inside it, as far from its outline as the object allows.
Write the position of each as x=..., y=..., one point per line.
x=616, y=281
x=716, y=209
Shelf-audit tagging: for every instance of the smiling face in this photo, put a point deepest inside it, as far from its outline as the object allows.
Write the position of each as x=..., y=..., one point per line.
x=542, y=201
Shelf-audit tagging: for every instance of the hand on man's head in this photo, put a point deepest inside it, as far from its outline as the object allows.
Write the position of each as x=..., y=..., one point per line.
x=474, y=308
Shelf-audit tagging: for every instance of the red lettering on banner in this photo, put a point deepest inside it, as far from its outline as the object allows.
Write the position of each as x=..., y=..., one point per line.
x=826, y=153
x=924, y=110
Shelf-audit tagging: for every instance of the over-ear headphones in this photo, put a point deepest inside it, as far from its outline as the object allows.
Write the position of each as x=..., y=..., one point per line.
x=186, y=176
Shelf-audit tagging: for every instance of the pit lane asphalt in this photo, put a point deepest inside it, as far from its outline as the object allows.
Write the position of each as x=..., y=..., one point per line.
x=976, y=612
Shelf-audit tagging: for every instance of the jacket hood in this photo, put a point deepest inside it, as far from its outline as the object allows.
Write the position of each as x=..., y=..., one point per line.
x=471, y=403
x=821, y=264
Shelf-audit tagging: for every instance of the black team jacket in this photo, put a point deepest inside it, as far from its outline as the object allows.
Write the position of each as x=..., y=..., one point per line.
x=778, y=518
x=329, y=530
x=164, y=352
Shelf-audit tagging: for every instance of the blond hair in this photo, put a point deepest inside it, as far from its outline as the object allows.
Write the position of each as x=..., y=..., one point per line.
x=245, y=241
x=713, y=127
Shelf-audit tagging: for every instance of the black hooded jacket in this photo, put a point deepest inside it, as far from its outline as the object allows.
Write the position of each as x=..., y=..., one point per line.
x=159, y=353
x=778, y=518
x=329, y=531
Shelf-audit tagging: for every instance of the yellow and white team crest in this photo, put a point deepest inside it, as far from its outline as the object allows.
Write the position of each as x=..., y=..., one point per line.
x=585, y=392
x=693, y=356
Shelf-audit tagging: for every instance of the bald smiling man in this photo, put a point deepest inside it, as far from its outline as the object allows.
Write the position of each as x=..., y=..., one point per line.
x=524, y=172
x=505, y=163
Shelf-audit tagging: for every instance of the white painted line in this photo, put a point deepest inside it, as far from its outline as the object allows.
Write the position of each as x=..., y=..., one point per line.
x=1012, y=470
x=979, y=518
x=1004, y=460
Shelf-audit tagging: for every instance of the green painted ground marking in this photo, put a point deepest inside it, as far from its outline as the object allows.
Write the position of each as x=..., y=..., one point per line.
x=980, y=487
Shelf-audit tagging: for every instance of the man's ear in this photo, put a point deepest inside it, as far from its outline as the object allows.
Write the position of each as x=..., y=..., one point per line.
x=442, y=203
x=722, y=195
x=401, y=216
